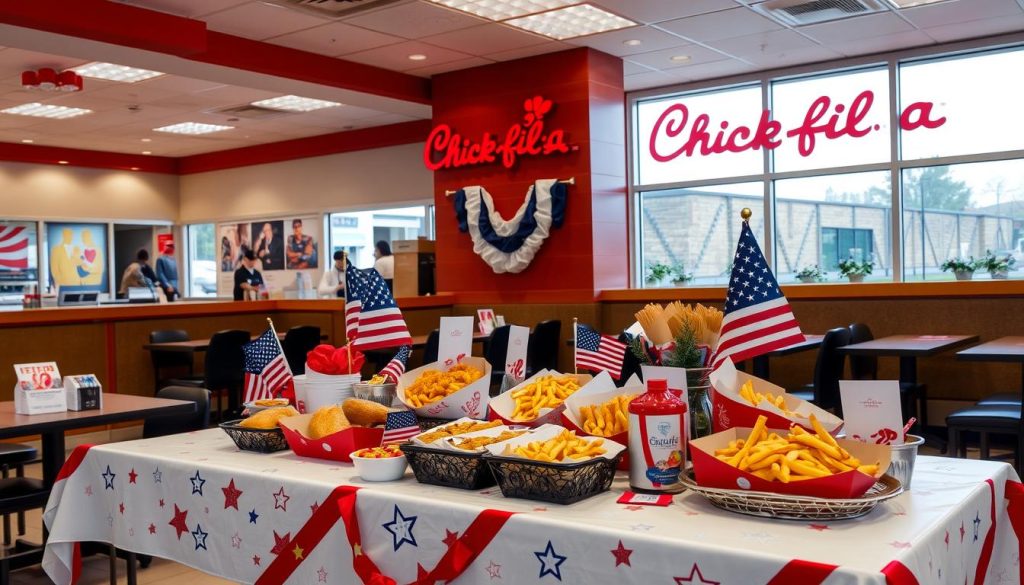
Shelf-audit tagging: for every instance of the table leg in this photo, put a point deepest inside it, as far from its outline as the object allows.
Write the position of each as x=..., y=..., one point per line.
x=53, y=456
x=761, y=367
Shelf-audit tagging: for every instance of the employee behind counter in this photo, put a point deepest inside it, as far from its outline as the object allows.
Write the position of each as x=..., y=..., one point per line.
x=247, y=278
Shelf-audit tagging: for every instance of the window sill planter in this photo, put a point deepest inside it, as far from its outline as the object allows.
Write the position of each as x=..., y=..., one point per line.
x=964, y=274
x=855, y=277
x=999, y=274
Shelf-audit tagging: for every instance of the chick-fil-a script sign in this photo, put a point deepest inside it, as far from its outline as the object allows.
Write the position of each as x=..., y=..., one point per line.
x=678, y=132
x=447, y=149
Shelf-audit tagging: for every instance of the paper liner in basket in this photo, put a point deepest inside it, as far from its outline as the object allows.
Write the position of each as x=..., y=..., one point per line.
x=418, y=441
x=502, y=406
x=715, y=473
x=448, y=443
x=732, y=410
x=470, y=401
x=335, y=447
x=543, y=433
x=604, y=390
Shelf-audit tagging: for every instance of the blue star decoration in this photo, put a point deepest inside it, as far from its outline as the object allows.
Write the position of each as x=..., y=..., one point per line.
x=197, y=483
x=158, y=476
x=200, y=537
x=253, y=516
x=977, y=525
x=400, y=528
x=550, y=562
x=108, y=478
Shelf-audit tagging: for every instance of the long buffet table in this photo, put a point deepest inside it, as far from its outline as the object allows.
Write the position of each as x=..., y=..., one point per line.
x=279, y=518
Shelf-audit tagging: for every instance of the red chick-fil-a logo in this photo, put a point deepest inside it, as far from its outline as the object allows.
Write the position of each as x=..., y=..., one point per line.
x=823, y=118
x=446, y=149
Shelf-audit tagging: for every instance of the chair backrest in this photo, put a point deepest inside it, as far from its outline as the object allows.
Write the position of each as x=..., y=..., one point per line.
x=829, y=369
x=298, y=342
x=862, y=367
x=169, y=359
x=158, y=426
x=630, y=363
x=225, y=361
x=431, y=347
x=543, y=350
x=497, y=349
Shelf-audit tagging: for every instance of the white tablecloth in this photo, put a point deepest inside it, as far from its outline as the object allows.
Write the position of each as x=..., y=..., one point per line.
x=278, y=518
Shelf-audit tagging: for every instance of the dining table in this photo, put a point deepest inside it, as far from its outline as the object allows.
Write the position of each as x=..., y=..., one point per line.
x=196, y=345
x=1004, y=349
x=760, y=365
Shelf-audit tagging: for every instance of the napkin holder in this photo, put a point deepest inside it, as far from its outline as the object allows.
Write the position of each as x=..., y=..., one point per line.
x=83, y=392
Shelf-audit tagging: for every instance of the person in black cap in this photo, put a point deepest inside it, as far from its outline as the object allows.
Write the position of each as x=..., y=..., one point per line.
x=247, y=278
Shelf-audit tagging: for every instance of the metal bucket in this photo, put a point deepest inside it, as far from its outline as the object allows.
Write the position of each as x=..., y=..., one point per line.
x=379, y=393
x=903, y=456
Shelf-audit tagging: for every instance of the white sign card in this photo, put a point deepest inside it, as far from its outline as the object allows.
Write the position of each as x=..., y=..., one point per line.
x=38, y=376
x=499, y=320
x=676, y=377
x=485, y=319
x=456, y=341
x=872, y=412
x=515, y=357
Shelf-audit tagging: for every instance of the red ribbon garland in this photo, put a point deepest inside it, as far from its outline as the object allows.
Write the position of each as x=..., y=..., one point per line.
x=896, y=573
x=70, y=466
x=1014, y=492
x=803, y=572
x=990, y=540
x=467, y=547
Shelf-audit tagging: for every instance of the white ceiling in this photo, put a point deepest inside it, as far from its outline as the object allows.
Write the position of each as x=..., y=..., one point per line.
x=721, y=37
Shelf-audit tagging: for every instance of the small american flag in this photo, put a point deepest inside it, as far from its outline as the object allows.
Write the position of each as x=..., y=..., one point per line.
x=599, y=352
x=266, y=370
x=372, y=317
x=396, y=367
x=757, y=315
x=400, y=426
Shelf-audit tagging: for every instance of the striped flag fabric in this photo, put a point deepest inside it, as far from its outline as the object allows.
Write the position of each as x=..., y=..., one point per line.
x=13, y=247
x=757, y=318
x=599, y=352
x=372, y=317
x=400, y=426
x=266, y=369
x=396, y=367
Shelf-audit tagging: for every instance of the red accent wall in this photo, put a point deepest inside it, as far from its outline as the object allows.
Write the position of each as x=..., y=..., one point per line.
x=590, y=251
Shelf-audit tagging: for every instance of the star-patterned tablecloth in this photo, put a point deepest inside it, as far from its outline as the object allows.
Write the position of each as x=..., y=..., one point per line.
x=253, y=518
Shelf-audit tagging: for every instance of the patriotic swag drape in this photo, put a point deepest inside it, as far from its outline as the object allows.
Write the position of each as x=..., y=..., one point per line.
x=277, y=519
x=510, y=245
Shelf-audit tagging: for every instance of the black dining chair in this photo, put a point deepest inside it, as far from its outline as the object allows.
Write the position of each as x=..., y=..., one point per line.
x=862, y=367
x=17, y=496
x=496, y=352
x=298, y=342
x=159, y=426
x=986, y=420
x=225, y=368
x=828, y=369
x=14, y=457
x=176, y=361
x=542, y=352
x=431, y=347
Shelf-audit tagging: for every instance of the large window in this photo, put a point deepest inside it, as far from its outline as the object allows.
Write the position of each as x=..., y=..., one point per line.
x=358, y=232
x=916, y=192
x=202, y=264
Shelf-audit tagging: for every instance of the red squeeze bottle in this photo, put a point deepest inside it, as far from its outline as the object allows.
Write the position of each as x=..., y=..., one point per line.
x=657, y=439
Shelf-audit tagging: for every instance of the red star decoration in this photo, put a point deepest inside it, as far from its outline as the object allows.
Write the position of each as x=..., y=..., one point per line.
x=152, y=528
x=818, y=527
x=121, y=507
x=256, y=560
x=899, y=544
x=695, y=574
x=450, y=537
x=132, y=476
x=421, y=573
x=314, y=507
x=280, y=542
x=161, y=502
x=634, y=508
x=281, y=500
x=947, y=539
x=231, y=495
x=178, y=522
x=962, y=531
x=621, y=555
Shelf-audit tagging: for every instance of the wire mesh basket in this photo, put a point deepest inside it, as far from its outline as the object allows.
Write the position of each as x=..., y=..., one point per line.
x=556, y=483
x=466, y=471
x=259, y=440
x=788, y=507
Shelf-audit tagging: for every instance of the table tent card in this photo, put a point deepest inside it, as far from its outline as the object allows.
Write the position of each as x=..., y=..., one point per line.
x=456, y=340
x=515, y=356
x=872, y=411
x=39, y=389
x=485, y=320
x=676, y=377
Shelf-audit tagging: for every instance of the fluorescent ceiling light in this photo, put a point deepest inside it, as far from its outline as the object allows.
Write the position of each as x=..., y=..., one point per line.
x=911, y=3
x=194, y=128
x=503, y=9
x=46, y=111
x=574, y=21
x=112, y=72
x=294, y=103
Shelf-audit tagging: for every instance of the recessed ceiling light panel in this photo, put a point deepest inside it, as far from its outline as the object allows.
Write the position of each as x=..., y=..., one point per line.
x=571, y=22
x=112, y=72
x=417, y=57
x=294, y=103
x=46, y=111
x=193, y=128
x=503, y=9
x=911, y=3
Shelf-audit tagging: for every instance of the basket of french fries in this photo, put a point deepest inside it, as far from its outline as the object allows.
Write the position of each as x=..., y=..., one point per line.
x=738, y=399
x=794, y=461
x=604, y=412
x=447, y=392
x=553, y=464
x=451, y=454
x=538, y=400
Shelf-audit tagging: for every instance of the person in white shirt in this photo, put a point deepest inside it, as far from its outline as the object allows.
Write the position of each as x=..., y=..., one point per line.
x=332, y=283
x=385, y=263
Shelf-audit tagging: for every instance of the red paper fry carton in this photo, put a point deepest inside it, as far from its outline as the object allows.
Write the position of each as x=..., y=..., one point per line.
x=503, y=406
x=603, y=390
x=713, y=472
x=336, y=447
x=732, y=410
x=470, y=401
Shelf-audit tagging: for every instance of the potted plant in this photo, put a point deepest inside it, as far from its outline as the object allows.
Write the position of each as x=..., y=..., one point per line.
x=656, y=273
x=855, y=271
x=810, y=274
x=679, y=274
x=998, y=266
x=963, y=268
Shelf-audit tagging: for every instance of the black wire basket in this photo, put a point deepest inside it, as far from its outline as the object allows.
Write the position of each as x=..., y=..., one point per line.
x=467, y=471
x=259, y=440
x=557, y=483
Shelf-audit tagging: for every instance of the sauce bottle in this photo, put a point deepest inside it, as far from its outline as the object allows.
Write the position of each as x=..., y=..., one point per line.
x=657, y=439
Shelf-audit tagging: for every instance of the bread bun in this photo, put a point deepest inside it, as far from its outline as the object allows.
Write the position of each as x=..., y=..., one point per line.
x=327, y=421
x=365, y=413
x=268, y=419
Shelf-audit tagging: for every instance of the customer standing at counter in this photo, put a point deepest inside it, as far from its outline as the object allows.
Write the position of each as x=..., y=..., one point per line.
x=385, y=263
x=138, y=274
x=167, y=272
x=332, y=283
x=247, y=278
